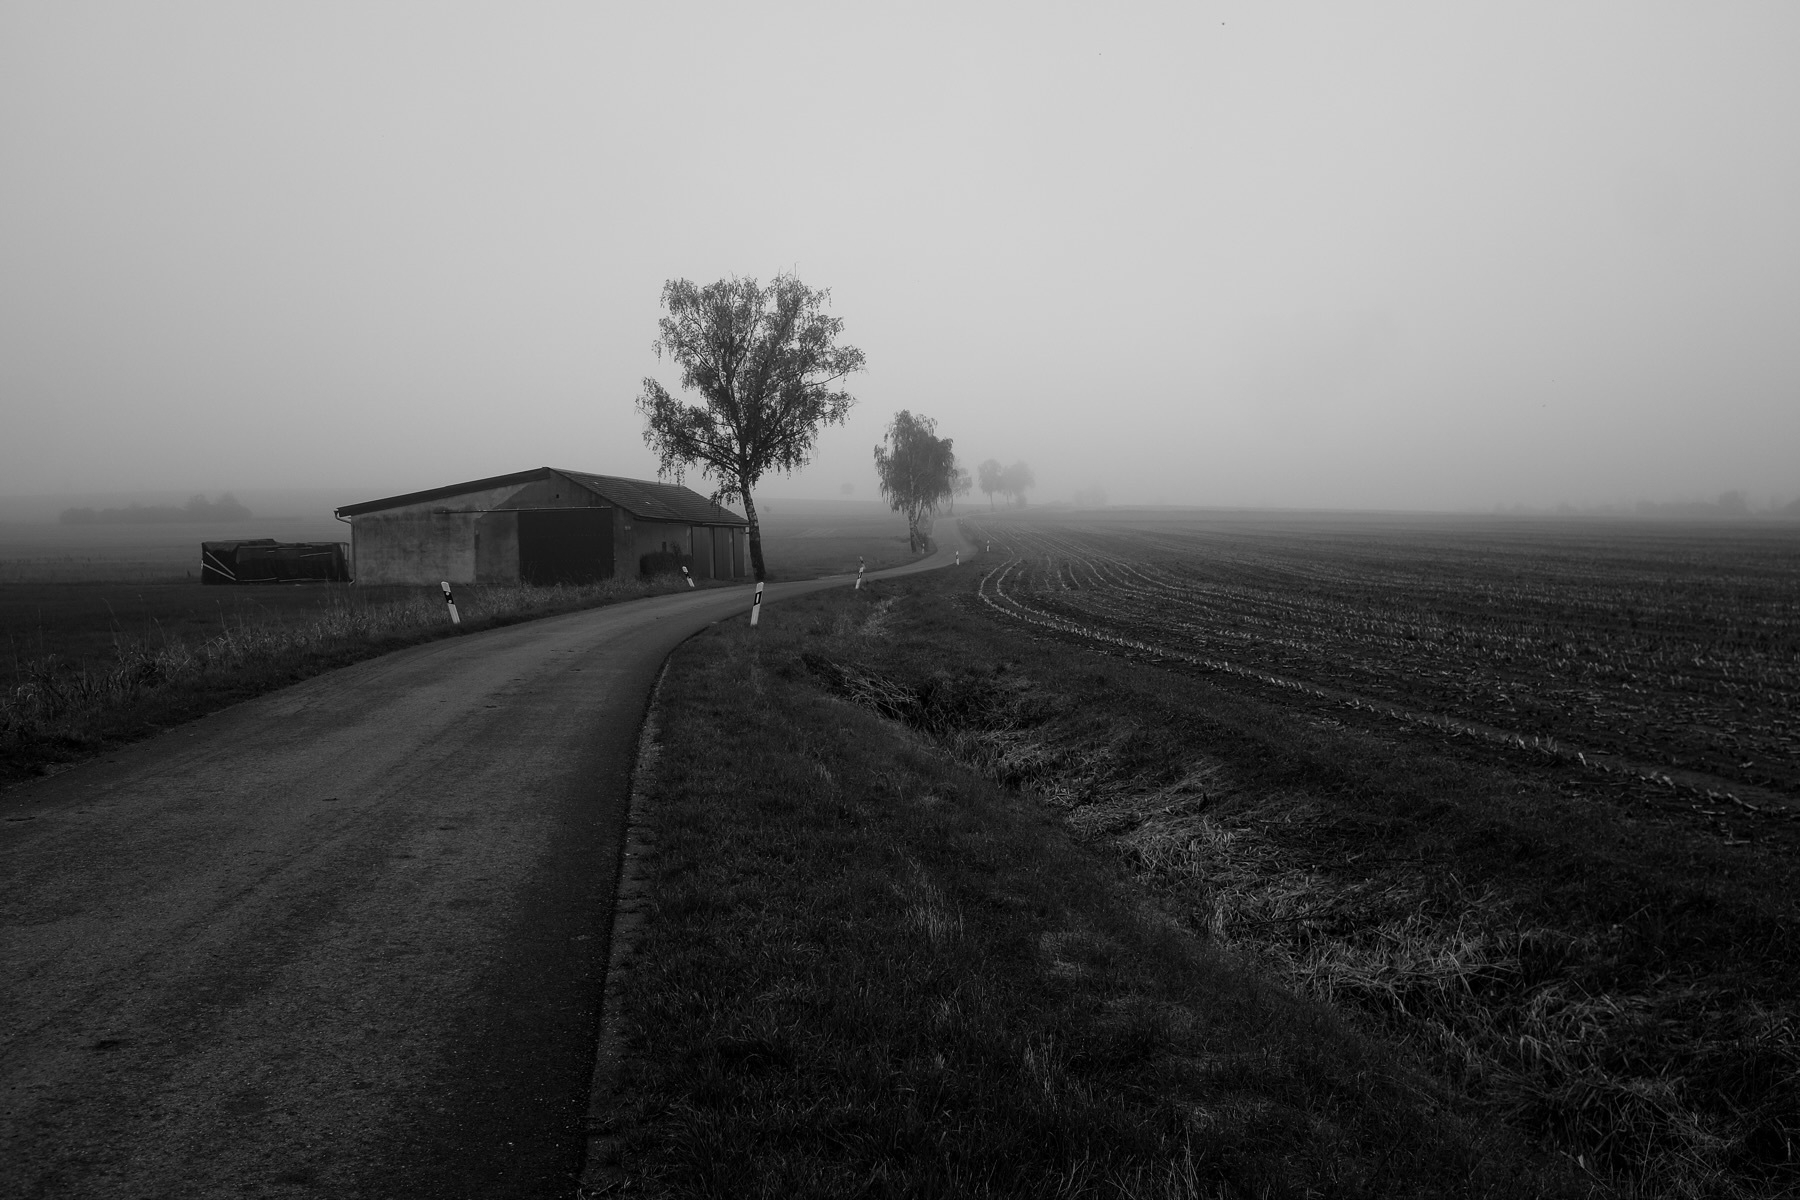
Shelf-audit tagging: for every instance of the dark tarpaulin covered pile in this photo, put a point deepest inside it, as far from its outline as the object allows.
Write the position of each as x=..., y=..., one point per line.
x=266, y=560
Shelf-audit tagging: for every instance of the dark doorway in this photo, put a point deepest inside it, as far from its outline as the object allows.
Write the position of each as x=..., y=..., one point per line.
x=565, y=545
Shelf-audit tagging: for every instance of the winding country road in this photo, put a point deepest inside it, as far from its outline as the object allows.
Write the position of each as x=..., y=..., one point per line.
x=345, y=940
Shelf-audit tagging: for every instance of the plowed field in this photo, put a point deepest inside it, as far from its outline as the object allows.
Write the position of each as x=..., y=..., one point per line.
x=1644, y=650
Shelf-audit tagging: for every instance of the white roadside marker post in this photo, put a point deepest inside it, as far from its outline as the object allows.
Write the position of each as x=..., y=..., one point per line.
x=450, y=602
x=860, y=564
x=756, y=605
x=686, y=576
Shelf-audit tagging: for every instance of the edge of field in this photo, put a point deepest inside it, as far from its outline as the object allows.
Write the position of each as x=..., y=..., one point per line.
x=861, y=966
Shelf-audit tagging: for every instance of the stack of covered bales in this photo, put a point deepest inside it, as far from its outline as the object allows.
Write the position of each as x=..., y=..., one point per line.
x=265, y=560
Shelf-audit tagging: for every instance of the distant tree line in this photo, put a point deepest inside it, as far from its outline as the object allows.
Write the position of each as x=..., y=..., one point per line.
x=1729, y=504
x=198, y=509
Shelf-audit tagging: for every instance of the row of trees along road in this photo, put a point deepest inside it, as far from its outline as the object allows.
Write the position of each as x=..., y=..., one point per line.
x=1012, y=482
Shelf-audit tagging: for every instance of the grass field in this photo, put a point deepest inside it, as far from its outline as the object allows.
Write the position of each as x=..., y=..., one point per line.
x=1601, y=961
x=46, y=552
x=86, y=624
x=807, y=539
x=58, y=710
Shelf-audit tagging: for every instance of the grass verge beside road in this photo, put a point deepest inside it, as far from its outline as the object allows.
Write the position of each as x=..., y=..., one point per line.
x=869, y=968
x=61, y=708
x=85, y=665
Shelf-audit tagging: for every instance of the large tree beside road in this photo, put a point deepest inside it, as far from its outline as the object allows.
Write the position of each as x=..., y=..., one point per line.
x=769, y=372
x=917, y=470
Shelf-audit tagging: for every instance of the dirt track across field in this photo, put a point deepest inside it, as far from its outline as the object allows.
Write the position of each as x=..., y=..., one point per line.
x=345, y=940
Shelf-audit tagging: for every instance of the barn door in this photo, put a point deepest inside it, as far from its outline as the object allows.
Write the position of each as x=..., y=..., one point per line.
x=703, y=553
x=721, y=539
x=565, y=545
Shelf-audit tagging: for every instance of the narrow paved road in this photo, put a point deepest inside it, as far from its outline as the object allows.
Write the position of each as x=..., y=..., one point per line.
x=344, y=940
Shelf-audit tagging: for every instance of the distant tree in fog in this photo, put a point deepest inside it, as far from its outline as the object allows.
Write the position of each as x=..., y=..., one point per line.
x=225, y=508
x=960, y=483
x=847, y=488
x=1015, y=481
x=917, y=470
x=1729, y=504
x=1093, y=497
x=767, y=365
x=993, y=478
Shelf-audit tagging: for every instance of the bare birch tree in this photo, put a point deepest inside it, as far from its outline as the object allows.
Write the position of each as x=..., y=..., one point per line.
x=917, y=469
x=768, y=369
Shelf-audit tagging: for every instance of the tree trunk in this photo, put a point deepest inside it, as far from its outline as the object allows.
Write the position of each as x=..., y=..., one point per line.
x=756, y=558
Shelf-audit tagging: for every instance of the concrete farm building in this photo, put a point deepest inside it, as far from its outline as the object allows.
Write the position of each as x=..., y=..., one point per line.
x=542, y=526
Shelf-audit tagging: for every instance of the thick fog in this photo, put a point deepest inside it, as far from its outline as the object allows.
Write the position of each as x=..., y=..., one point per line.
x=1403, y=256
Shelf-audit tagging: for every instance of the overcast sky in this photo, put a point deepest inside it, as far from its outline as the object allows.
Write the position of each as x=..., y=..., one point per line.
x=1357, y=255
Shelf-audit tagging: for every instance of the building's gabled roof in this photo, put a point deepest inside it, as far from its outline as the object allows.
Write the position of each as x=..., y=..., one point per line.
x=438, y=493
x=655, y=501
x=641, y=498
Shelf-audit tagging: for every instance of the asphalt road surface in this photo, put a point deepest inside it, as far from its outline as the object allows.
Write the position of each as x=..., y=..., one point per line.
x=348, y=939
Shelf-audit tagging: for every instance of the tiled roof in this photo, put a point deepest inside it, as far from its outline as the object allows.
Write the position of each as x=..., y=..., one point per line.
x=639, y=497
x=438, y=493
x=656, y=501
